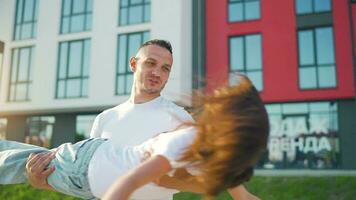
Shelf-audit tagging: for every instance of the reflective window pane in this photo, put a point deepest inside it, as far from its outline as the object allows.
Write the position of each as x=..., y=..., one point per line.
x=3, y=128
x=322, y=5
x=235, y=12
x=243, y=10
x=304, y=6
x=253, y=52
x=21, y=92
x=73, y=79
x=137, y=17
x=147, y=13
x=303, y=136
x=256, y=78
x=21, y=78
x=129, y=81
x=83, y=126
x=307, y=78
x=78, y=6
x=316, y=58
x=325, y=45
x=63, y=60
x=76, y=16
x=122, y=62
x=77, y=23
x=86, y=58
x=236, y=54
x=26, y=19
x=85, y=87
x=39, y=130
x=134, y=12
x=327, y=77
x=306, y=48
x=66, y=7
x=28, y=11
x=73, y=88
x=75, y=59
x=120, y=86
x=252, y=10
x=61, y=89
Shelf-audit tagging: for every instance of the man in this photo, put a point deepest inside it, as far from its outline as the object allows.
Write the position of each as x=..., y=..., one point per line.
x=143, y=116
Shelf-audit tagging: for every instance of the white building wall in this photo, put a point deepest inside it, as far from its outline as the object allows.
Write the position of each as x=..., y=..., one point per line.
x=170, y=19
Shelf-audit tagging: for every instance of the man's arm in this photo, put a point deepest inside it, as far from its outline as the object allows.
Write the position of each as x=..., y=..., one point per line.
x=37, y=171
x=148, y=171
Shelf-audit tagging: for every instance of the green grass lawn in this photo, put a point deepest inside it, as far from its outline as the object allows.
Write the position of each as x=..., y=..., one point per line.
x=274, y=188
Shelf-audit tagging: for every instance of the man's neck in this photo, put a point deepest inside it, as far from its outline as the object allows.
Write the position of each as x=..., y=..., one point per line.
x=138, y=98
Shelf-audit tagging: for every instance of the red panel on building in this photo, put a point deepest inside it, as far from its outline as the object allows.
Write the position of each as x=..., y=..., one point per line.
x=278, y=28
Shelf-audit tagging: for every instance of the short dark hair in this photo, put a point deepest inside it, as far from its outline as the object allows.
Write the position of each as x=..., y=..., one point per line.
x=162, y=43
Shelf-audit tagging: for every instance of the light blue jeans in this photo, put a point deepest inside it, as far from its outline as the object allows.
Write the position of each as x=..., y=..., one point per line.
x=71, y=163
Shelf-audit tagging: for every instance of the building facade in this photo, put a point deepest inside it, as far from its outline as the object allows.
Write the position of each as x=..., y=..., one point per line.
x=64, y=61
x=300, y=54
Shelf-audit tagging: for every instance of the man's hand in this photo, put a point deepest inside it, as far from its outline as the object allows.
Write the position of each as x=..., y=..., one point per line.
x=37, y=170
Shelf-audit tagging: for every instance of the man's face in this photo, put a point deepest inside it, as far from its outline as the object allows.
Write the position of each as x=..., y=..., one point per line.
x=151, y=67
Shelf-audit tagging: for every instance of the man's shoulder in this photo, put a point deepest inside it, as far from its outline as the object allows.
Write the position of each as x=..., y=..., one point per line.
x=177, y=110
x=112, y=111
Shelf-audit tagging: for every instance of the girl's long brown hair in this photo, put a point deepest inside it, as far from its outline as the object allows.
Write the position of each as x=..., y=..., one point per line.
x=232, y=132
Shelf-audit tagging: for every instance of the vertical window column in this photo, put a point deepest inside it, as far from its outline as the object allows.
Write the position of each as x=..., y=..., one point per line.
x=246, y=58
x=73, y=69
x=312, y=6
x=134, y=12
x=128, y=45
x=316, y=58
x=243, y=10
x=26, y=19
x=21, y=74
x=76, y=16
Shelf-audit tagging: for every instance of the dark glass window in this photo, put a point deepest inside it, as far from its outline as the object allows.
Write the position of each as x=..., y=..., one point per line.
x=134, y=12
x=303, y=135
x=316, y=58
x=312, y=6
x=73, y=69
x=26, y=19
x=243, y=10
x=39, y=130
x=76, y=15
x=21, y=74
x=128, y=45
x=3, y=128
x=246, y=58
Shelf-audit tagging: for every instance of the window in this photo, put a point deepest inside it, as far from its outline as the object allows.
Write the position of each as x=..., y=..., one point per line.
x=246, y=58
x=26, y=19
x=83, y=126
x=316, y=58
x=128, y=45
x=243, y=10
x=39, y=131
x=73, y=69
x=2, y=45
x=303, y=135
x=312, y=6
x=76, y=15
x=134, y=11
x=3, y=127
x=21, y=74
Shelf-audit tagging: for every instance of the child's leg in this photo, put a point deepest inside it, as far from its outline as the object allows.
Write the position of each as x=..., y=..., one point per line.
x=13, y=157
x=71, y=163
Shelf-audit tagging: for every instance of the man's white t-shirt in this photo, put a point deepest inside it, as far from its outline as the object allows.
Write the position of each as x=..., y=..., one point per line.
x=128, y=125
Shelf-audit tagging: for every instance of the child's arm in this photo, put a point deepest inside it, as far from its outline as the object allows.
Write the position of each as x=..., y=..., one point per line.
x=148, y=171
